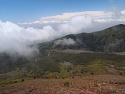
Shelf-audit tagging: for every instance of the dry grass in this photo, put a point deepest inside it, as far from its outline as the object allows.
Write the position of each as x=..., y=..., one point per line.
x=96, y=84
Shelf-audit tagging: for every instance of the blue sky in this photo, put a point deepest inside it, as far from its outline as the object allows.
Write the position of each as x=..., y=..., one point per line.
x=32, y=10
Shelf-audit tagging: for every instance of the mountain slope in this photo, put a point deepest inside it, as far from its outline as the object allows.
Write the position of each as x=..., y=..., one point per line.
x=109, y=40
x=9, y=63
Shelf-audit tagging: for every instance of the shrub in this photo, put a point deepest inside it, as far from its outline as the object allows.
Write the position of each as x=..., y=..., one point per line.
x=15, y=81
x=66, y=84
x=22, y=80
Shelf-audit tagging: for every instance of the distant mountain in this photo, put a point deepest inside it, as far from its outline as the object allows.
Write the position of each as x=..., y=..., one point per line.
x=111, y=39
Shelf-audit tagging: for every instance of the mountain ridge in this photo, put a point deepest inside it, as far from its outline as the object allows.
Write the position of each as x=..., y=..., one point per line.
x=111, y=39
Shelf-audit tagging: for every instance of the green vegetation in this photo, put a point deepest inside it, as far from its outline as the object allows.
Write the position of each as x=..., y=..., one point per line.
x=66, y=84
x=80, y=65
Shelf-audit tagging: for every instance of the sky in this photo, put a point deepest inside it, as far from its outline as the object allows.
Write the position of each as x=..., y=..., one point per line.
x=31, y=10
x=27, y=22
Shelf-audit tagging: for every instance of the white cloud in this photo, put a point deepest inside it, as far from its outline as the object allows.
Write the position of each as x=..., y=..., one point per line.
x=76, y=24
x=98, y=16
x=123, y=12
x=65, y=42
x=15, y=38
x=64, y=17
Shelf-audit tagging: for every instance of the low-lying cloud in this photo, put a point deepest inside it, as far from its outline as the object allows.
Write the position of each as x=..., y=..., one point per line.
x=65, y=41
x=19, y=38
x=16, y=39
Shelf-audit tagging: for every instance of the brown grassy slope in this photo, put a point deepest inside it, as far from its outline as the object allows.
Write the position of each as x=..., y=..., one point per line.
x=96, y=84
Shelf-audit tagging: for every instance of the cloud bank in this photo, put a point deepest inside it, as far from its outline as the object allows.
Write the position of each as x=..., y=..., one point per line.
x=97, y=15
x=17, y=38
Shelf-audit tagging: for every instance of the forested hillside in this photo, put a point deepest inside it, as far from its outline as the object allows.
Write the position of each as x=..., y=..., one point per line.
x=109, y=40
